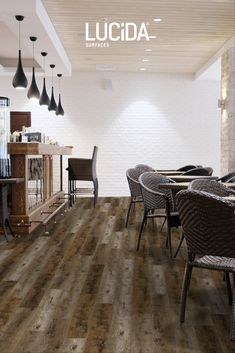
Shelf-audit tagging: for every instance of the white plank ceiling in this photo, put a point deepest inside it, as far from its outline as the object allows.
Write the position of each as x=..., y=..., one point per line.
x=190, y=33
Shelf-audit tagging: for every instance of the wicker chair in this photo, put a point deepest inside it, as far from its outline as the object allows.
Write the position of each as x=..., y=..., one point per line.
x=154, y=199
x=186, y=167
x=228, y=178
x=144, y=168
x=199, y=171
x=85, y=170
x=210, y=186
x=208, y=224
x=132, y=175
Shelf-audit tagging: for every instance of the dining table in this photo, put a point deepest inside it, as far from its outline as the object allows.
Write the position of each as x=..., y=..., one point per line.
x=186, y=178
x=230, y=198
x=184, y=185
x=169, y=172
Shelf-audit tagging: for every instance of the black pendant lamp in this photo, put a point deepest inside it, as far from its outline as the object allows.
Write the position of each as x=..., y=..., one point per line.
x=52, y=105
x=19, y=80
x=59, y=110
x=44, y=99
x=33, y=92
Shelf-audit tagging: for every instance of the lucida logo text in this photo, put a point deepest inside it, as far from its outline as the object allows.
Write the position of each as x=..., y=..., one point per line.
x=100, y=34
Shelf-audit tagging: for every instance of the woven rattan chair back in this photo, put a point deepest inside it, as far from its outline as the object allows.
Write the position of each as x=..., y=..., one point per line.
x=199, y=171
x=144, y=168
x=210, y=186
x=186, y=167
x=152, y=195
x=210, y=170
x=132, y=175
x=208, y=223
x=230, y=177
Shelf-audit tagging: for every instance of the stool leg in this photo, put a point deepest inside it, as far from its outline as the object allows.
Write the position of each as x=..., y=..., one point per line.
x=70, y=193
x=74, y=190
x=95, y=183
x=9, y=226
x=5, y=231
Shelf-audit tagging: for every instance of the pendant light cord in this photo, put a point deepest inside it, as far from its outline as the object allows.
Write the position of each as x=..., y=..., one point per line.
x=33, y=54
x=44, y=66
x=59, y=85
x=19, y=36
x=52, y=77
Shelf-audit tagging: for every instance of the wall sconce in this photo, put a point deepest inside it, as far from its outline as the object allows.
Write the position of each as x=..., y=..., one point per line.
x=221, y=103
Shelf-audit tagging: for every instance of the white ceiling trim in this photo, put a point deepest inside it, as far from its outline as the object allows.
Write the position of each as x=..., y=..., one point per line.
x=37, y=23
x=46, y=22
x=229, y=44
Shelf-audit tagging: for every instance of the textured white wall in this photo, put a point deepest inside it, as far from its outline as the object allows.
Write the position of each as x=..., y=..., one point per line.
x=228, y=113
x=163, y=120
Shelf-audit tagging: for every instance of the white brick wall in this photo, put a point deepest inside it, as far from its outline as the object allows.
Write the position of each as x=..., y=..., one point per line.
x=162, y=120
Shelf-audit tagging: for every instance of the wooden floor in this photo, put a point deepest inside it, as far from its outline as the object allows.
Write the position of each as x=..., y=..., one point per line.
x=85, y=289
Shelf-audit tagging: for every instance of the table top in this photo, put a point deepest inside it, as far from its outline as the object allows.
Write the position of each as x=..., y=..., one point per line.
x=229, y=185
x=184, y=185
x=169, y=172
x=11, y=181
x=230, y=198
x=174, y=186
x=179, y=178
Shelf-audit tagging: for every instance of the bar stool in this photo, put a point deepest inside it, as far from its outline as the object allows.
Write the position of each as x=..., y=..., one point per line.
x=84, y=170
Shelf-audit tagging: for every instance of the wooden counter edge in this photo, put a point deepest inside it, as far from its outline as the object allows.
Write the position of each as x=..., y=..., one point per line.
x=35, y=148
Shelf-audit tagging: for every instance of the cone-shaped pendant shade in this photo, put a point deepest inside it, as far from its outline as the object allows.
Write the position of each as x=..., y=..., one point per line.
x=44, y=99
x=59, y=110
x=52, y=105
x=33, y=92
x=19, y=80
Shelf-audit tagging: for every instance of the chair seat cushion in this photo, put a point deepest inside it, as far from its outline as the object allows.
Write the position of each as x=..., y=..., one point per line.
x=216, y=262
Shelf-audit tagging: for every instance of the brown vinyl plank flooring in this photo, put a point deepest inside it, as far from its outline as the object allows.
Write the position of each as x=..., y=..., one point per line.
x=84, y=289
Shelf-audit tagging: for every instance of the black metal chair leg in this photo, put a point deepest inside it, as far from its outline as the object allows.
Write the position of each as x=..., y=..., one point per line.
x=169, y=238
x=163, y=224
x=179, y=246
x=141, y=230
x=9, y=226
x=232, y=330
x=96, y=186
x=128, y=213
x=74, y=191
x=153, y=224
x=134, y=205
x=94, y=194
x=70, y=193
x=5, y=232
x=228, y=284
x=186, y=284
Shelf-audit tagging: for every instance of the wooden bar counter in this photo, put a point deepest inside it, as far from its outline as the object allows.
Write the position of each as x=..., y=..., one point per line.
x=23, y=218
